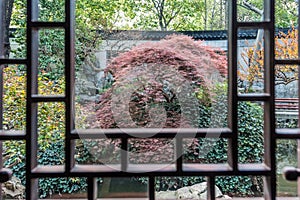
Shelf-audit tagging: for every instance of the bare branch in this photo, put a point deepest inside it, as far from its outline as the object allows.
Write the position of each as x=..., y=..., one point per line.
x=251, y=7
x=159, y=7
x=93, y=65
x=173, y=15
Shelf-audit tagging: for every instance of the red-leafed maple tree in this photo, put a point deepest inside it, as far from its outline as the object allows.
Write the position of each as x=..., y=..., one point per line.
x=176, y=57
x=157, y=85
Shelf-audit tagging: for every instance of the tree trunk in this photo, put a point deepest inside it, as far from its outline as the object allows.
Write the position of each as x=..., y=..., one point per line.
x=221, y=15
x=205, y=15
x=260, y=33
x=8, y=6
x=226, y=14
x=213, y=15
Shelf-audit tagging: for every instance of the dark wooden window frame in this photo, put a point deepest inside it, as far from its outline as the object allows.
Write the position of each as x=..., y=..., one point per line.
x=70, y=169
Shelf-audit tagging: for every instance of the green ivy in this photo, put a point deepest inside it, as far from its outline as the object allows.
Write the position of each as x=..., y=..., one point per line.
x=250, y=148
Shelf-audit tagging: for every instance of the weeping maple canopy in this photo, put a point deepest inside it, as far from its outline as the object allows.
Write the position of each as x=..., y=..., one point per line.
x=158, y=71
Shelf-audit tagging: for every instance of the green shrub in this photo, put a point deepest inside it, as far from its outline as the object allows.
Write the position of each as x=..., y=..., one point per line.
x=250, y=151
x=51, y=128
x=286, y=152
x=250, y=146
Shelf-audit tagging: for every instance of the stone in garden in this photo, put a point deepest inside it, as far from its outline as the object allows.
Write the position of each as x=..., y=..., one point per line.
x=194, y=192
x=202, y=190
x=13, y=189
x=165, y=195
x=225, y=197
x=186, y=193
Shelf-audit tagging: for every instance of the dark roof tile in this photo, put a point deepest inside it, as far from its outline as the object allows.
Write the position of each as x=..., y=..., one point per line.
x=197, y=35
x=158, y=35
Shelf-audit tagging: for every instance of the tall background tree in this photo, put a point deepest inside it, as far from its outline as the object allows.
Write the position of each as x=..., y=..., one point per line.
x=166, y=14
x=8, y=8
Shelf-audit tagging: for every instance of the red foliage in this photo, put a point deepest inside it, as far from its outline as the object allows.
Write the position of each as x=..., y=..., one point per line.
x=155, y=100
x=196, y=63
x=177, y=51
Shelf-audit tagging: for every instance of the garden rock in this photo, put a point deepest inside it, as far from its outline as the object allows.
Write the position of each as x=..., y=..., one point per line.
x=201, y=188
x=13, y=189
x=165, y=195
x=187, y=193
x=194, y=192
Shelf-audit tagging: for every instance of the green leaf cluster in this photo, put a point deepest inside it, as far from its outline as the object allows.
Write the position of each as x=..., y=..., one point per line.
x=51, y=130
x=250, y=148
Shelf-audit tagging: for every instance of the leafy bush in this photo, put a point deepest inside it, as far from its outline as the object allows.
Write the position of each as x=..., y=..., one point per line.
x=54, y=155
x=51, y=41
x=286, y=152
x=250, y=151
x=165, y=62
x=51, y=127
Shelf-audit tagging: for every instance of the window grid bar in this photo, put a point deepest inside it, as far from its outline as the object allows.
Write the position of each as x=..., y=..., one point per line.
x=232, y=87
x=53, y=171
x=92, y=188
x=12, y=135
x=178, y=153
x=269, y=108
x=254, y=97
x=13, y=61
x=48, y=98
x=211, y=187
x=151, y=187
x=260, y=25
x=40, y=25
x=150, y=133
x=70, y=81
x=288, y=62
x=2, y=18
x=298, y=141
x=31, y=107
x=288, y=133
x=124, y=154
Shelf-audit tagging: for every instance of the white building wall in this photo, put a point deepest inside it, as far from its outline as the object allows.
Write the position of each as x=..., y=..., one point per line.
x=125, y=45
